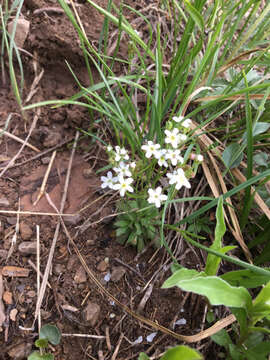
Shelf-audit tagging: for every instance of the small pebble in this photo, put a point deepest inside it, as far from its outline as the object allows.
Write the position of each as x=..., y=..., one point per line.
x=25, y=231
x=138, y=341
x=117, y=273
x=28, y=247
x=181, y=322
x=151, y=336
x=102, y=266
x=91, y=313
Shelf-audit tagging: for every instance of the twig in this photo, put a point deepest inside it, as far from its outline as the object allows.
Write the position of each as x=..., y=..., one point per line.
x=45, y=179
x=24, y=143
x=16, y=138
x=38, y=274
x=51, y=253
x=129, y=267
x=108, y=341
x=117, y=347
x=85, y=336
x=41, y=154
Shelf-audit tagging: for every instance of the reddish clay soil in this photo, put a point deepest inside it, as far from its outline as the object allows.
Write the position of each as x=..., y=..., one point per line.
x=72, y=301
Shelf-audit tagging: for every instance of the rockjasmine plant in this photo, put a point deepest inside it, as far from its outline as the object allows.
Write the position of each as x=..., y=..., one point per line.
x=168, y=167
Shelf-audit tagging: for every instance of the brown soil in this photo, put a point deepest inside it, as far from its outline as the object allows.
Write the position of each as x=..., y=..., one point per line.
x=52, y=41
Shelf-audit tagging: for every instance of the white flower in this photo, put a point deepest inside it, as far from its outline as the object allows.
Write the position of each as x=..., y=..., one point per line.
x=172, y=137
x=109, y=148
x=155, y=196
x=178, y=118
x=186, y=123
x=108, y=181
x=183, y=137
x=199, y=158
x=151, y=149
x=161, y=157
x=132, y=165
x=121, y=154
x=122, y=170
x=179, y=179
x=174, y=156
x=123, y=185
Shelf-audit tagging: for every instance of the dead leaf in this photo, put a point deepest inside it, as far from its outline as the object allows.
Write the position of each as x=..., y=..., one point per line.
x=15, y=271
x=7, y=297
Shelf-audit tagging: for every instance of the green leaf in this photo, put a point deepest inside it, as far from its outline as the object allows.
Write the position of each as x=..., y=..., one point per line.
x=218, y=291
x=258, y=128
x=143, y=356
x=41, y=343
x=261, y=305
x=222, y=338
x=51, y=333
x=261, y=159
x=232, y=155
x=212, y=262
x=245, y=278
x=37, y=356
x=194, y=13
x=181, y=352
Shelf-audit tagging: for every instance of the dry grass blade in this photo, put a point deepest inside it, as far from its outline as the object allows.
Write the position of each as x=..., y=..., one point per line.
x=51, y=253
x=16, y=138
x=33, y=125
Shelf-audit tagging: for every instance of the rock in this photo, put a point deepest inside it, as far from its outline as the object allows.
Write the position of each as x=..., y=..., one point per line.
x=102, y=266
x=12, y=315
x=28, y=247
x=117, y=273
x=7, y=297
x=22, y=30
x=45, y=160
x=52, y=139
x=59, y=269
x=87, y=173
x=4, y=201
x=91, y=313
x=12, y=220
x=72, y=219
x=25, y=231
x=20, y=351
x=80, y=276
x=31, y=293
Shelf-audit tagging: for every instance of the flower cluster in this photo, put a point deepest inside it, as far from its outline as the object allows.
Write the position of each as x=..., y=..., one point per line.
x=168, y=157
x=123, y=179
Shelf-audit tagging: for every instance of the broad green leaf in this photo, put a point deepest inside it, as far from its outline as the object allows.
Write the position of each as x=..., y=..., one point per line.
x=41, y=343
x=245, y=278
x=258, y=128
x=143, y=356
x=37, y=356
x=212, y=262
x=259, y=352
x=51, y=333
x=218, y=291
x=196, y=16
x=261, y=159
x=181, y=352
x=222, y=338
x=261, y=305
x=232, y=155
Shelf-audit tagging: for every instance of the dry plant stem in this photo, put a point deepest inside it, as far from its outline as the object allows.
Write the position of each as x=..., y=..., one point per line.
x=62, y=205
x=108, y=340
x=145, y=298
x=16, y=138
x=2, y=307
x=189, y=339
x=41, y=153
x=33, y=125
x=100, y=337
x=40, y=273
x=117, y=347
x=45, y=179
x=34, y=213
x=100, y=355
x=14, y=237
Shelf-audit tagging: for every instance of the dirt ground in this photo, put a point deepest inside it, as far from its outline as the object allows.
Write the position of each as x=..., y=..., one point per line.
x=72, y=301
